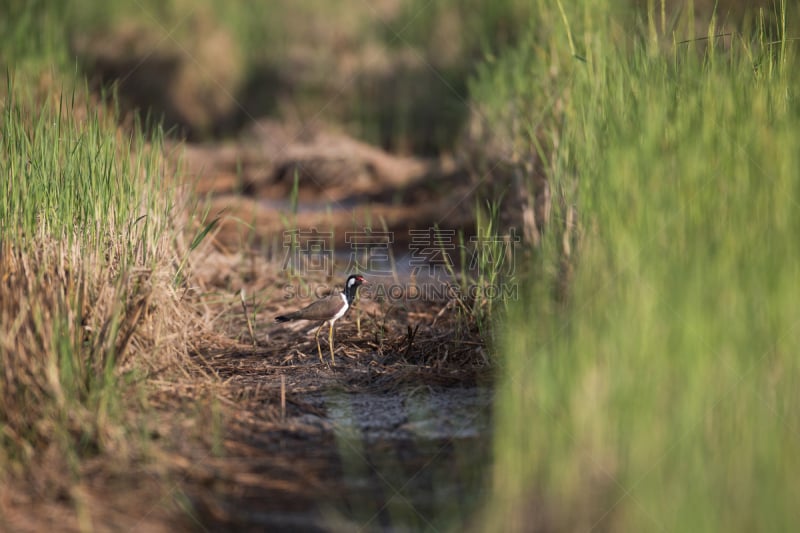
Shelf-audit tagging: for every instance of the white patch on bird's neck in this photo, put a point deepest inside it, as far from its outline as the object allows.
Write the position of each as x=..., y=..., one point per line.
x=343, y=310
x=351, y=282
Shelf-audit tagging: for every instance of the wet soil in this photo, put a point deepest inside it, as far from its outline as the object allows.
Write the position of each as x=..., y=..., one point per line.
x=373, y=443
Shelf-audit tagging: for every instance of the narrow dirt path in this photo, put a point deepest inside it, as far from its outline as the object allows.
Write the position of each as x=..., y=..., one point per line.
x=396, y=435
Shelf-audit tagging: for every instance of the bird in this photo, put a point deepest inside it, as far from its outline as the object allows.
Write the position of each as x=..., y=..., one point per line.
x=328, y=310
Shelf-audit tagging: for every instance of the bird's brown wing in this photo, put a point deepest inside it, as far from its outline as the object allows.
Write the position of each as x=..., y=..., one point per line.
x=322, y=309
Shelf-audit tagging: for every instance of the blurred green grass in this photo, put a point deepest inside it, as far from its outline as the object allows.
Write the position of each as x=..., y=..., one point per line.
x=661, y=395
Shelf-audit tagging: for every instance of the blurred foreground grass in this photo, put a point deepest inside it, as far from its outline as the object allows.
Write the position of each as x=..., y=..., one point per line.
x=662, y=394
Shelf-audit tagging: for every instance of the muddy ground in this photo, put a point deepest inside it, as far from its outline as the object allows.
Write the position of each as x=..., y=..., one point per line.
x=377, y=442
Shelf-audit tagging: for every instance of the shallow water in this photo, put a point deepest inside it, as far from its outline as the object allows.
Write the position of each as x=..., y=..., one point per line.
x=411, y=459
x=408, y=460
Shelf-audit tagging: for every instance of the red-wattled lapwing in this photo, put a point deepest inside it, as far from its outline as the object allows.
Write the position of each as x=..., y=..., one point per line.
x=328, y=309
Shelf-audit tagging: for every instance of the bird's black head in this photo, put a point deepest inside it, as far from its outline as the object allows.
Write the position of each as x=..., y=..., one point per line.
x=355, y=280
x=351, y=285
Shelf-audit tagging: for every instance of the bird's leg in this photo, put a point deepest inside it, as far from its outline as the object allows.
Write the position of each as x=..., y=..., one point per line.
x=319, y=349
x=358, y=315
x=330, y=343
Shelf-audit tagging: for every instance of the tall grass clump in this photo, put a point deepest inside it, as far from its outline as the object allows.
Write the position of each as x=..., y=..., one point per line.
x=661, y=394
x=83, y=242
x=86, y=302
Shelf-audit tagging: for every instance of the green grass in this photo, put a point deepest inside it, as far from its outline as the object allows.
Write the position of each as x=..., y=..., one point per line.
x=662, y=394
x=71, y=177
x=84, y=246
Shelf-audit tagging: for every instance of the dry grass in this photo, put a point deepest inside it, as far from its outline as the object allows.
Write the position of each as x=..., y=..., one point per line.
x=90, y=315
x=82, y=334
x=396, y=329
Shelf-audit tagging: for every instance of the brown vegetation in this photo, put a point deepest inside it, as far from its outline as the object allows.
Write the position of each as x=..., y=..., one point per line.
x=70, y=412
